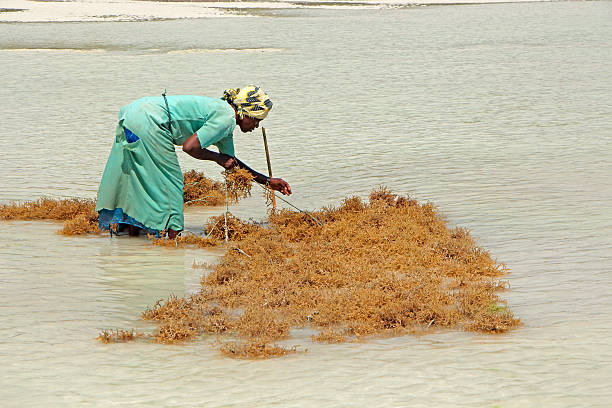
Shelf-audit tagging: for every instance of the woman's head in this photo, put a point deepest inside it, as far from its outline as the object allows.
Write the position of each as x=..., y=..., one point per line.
x=251, y=103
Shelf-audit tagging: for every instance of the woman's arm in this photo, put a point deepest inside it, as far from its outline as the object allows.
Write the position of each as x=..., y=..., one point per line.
x=193, y=148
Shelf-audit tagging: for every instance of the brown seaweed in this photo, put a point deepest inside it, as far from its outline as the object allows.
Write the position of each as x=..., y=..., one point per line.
x=186, y=240
x=389, y=266
x=118, y=336
x=254, y=350
x=236, y=228
x=48, y=209
x=201, y=190
x=80, y=217
x=239, y=183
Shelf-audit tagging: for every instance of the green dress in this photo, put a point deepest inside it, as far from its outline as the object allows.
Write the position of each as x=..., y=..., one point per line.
x=142, y=183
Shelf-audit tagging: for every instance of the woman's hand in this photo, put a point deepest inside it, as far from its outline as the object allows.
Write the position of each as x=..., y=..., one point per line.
x=226, y=161
x=280, y=185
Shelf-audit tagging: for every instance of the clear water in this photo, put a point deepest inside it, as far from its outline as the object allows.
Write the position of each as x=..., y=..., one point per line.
x=499, y=114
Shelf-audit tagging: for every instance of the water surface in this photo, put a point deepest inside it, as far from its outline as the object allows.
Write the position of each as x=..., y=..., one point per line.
x=499, y=114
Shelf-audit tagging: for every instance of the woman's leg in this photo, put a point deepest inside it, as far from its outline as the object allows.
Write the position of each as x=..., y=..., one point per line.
x=134, y=231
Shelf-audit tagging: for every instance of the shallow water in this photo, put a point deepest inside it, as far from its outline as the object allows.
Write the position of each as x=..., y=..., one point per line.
x=499, y=114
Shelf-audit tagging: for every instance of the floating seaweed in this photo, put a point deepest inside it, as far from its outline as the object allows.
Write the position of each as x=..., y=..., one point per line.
x=255, y=350
x=48, y=209
x=185, y=240
x=329, y=336
x=78, y=214
x=182, y=318
x=118, y=336
x=200, y=190
x=236, y=228
x=388, y=266
x=80, y=217
x=215, y=233
x=86, y=223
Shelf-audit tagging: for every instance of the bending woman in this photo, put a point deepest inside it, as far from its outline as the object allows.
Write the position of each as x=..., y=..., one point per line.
x=142, y=184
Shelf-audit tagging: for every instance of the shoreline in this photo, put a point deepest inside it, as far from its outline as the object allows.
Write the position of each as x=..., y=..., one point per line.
x=36, y=11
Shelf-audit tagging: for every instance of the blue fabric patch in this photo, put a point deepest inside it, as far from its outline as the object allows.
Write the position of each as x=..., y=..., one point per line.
x=117, y=216
x=130, y=136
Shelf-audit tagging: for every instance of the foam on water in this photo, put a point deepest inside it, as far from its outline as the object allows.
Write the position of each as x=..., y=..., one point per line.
x=150, y=51
x=224, y=50
x=54, y=50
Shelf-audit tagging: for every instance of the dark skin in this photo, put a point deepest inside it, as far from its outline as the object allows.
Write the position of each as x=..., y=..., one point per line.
x=193, y=148
x=247, y=124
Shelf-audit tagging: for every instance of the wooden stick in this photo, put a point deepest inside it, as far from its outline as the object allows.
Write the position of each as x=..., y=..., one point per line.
x=263, y=132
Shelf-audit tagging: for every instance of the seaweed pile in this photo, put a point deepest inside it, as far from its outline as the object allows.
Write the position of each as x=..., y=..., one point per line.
x=389, y=266
x=215, y=233
x=79, y=214
x=80, y=217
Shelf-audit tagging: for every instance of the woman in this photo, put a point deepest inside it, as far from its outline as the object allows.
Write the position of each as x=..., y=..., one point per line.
x=142, y=184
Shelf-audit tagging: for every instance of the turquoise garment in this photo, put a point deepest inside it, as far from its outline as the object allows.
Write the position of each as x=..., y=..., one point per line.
x=143, y=177
x=108, y=218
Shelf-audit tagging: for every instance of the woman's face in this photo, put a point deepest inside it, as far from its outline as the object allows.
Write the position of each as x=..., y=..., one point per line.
x=248, y=123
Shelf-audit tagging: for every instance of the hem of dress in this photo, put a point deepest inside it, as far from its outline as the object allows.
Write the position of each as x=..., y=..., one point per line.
x=108, y=218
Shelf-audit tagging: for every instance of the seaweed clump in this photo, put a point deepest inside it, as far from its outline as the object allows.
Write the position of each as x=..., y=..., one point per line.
x=254, y=350
x=215, y=233
x=236, y=228
x=239, y=182
x=387, y=266
x=47, y=209
x=200, y=190
x=118, y=336
x=186, y=240
x=79, y=214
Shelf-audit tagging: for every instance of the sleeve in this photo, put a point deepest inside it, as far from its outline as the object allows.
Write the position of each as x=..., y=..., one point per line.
x=226, y=145
x=218, y=126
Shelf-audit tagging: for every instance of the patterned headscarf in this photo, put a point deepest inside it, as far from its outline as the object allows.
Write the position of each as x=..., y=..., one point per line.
x=250, y=101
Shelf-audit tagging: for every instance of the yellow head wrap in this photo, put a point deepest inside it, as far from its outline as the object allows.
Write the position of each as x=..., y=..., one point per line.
x=250, y=101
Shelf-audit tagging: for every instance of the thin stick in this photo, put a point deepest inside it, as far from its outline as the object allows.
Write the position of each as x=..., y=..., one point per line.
x=263, y=132
x=302, y=211
x=226, y=210
x=212, y=229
